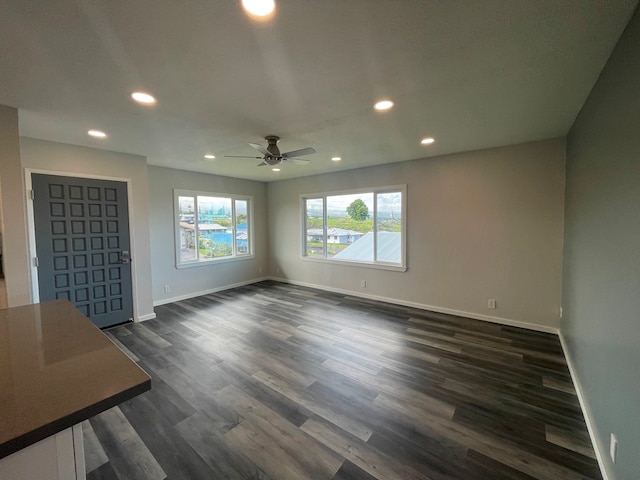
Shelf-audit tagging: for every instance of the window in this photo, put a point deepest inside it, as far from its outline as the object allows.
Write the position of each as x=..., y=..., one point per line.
x=360, y=226
x=212, y=227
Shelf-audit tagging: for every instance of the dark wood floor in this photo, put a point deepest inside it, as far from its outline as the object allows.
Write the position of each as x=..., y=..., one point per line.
x=274, y=381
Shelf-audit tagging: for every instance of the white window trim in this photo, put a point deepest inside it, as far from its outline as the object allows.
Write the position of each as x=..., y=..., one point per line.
x=375, y=264
x=211, y=261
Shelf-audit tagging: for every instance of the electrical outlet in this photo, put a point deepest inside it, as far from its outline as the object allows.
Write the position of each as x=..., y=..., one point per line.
x=613, y=448
x=491, y=303
x=363, y=283
x=167, y=289
x=277, y=269
x=259, y=269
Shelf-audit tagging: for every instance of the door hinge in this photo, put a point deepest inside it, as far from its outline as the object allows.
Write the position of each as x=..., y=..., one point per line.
x=32, y=194
x=36, y=262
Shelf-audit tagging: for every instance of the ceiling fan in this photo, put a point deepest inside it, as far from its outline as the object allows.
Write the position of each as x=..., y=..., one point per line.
x=272, y=156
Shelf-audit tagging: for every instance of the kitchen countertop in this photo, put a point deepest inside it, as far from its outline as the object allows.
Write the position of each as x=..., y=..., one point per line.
x=56, y=370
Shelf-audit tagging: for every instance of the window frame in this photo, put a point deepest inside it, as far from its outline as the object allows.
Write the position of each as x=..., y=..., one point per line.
x=376, y=264
x=200, y=262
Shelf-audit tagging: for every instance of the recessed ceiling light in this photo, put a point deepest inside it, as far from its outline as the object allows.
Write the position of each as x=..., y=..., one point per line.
x=276, y=169
x=209, y=156
x=97, y=133
x=427, y=141
x=144, y=98
x=383, y=105
x=336, y=159
x=259, y=8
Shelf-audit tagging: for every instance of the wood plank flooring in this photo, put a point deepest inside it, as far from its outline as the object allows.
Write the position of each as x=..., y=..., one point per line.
x=274, y=381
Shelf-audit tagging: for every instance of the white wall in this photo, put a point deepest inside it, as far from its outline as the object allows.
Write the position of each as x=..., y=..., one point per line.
x=187, y=282
x=15, y=253
x=62, y=158
x=484, y=224
x=601, y=290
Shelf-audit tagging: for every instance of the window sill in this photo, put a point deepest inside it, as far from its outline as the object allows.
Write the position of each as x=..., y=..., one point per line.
x=214, y=261
x=347, y=263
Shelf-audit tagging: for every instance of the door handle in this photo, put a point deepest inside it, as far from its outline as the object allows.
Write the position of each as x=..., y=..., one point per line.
x=124, y=257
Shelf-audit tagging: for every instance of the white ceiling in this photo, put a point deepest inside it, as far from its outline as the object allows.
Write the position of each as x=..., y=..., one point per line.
x=473, y=74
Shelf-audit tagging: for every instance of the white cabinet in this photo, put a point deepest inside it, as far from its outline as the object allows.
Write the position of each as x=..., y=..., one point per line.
x=58, y=457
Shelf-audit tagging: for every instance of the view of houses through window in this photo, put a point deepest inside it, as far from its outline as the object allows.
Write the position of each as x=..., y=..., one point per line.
x=211, y=226
x=361, y=227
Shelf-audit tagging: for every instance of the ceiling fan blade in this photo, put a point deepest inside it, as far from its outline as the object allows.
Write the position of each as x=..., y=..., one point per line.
x=240, y=156
x=263, y=164
x=299, y=153
x=299, y=161
x=261, y=149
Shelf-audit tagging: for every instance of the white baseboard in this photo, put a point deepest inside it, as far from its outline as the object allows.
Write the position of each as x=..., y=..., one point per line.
x=421, y=306
x=144, y=318
x=586, y=412
x=206, y=292
x=460, y=313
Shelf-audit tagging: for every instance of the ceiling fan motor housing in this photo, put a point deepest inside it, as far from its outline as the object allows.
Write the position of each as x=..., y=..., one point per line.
x=273, y=149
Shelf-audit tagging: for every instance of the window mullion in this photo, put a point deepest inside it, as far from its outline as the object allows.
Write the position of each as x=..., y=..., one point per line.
x=324, y=227
x=249, y=222
x=375, y=227
x=196, y=227
x=234, y=240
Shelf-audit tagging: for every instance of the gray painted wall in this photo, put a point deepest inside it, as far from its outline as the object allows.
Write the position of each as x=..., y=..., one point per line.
x=601, y=290
x=185, y=282
x=484, y=224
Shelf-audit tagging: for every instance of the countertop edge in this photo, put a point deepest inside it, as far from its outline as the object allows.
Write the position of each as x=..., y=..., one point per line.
x=34, y=436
